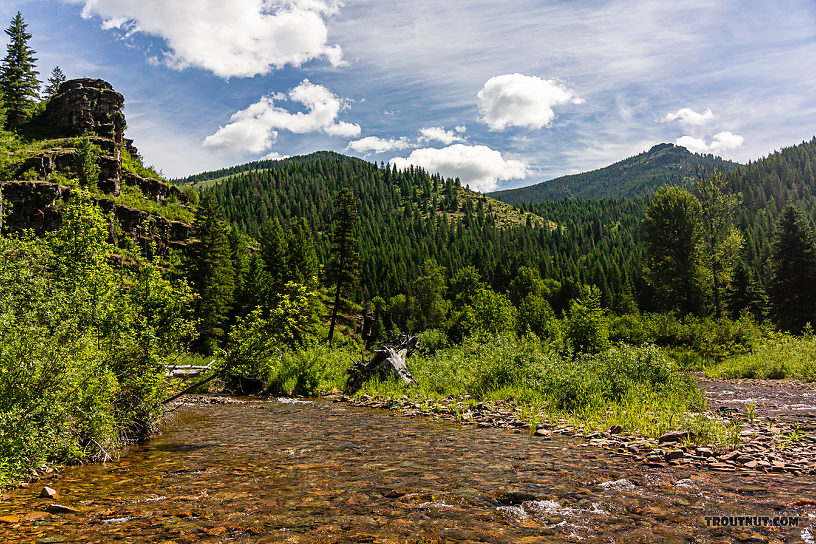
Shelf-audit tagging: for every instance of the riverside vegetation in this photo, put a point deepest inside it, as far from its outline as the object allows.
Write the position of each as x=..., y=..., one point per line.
x=587, y=310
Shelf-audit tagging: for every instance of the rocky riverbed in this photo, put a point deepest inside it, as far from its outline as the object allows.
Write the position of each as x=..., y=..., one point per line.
x=773, y=427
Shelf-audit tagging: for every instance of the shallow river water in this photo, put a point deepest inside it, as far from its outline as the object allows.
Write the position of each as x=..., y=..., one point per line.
x=317, y=471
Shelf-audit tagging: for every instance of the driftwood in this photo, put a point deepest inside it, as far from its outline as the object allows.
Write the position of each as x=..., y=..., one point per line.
x=388, y=360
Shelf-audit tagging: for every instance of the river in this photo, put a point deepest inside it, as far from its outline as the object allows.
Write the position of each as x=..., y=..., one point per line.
x=318, y=471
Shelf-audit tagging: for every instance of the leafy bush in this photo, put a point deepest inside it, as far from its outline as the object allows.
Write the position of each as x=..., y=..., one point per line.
x=587, y=328
x=82, y=346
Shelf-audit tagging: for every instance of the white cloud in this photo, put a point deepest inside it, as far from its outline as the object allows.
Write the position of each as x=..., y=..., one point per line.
x=723, y=141
x=274, y=156
x=690, y=117
x=254, y=129
x=439, y=134
x=378, y=145
x=242, y=38
x=523, y=101
x=477, y=165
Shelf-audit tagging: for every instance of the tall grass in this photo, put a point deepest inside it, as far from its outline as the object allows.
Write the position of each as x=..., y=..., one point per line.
x=781, y=356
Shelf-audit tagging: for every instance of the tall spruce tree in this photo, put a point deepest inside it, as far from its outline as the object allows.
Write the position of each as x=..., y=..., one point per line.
x=792, y=288
x=18, y=76
x=56, y=79
x=344, y=267
x=303, y=266
x=275, y=257
x=210, y=270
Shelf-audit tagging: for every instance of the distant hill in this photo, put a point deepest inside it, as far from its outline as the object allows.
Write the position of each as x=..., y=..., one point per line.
x=663, y=164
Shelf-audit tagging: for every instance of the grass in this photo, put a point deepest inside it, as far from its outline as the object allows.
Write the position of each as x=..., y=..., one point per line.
x=781, y=356
x=638, y=388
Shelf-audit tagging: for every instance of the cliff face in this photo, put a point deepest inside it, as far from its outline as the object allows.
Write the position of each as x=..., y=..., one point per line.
x=35, y=205
x=87, y=106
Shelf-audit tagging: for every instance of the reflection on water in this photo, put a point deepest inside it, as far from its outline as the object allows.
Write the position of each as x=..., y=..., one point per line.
x=321, y=472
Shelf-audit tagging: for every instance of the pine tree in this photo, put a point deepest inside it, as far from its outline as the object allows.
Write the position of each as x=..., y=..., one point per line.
x=745, y=294
x=792, y=288
x=303, y=266
x=210, y=270
x=344, y=268
x=56, y=79
x=275, y=257
x=18, y=77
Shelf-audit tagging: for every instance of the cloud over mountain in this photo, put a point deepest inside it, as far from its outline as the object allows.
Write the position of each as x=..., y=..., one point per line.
x=477, y=165
x=254, y=129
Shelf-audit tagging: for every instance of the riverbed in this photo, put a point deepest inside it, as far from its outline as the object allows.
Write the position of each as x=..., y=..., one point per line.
x=317, y=471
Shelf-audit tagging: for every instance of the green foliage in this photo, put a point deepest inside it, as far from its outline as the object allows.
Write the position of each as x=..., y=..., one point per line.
x=18, y=76
x=134, y=165
x=586, y=326
x=792, y=288
x=721, y=241
x=209, y=269
x=56, y=79
x=82, y=346
x=344, y=268
x=429, y=308
x=672, y=232
x=86, y=160
x=779, y=356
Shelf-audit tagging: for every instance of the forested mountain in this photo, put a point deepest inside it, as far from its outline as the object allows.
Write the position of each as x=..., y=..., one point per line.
x=663, y=164
x=410, y=216
x=574, y=241
x=766, y=186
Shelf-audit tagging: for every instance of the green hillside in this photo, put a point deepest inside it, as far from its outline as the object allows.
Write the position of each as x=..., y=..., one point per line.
x=663, y=164
x=410, y=216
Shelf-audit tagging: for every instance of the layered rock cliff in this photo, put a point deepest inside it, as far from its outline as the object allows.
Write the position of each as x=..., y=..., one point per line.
x=87, y=107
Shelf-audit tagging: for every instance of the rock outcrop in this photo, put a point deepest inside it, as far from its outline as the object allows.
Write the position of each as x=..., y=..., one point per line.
x=92, y=107
x=35, y=205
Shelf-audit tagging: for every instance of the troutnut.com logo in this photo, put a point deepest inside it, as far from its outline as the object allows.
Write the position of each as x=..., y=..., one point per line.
x=752, y=521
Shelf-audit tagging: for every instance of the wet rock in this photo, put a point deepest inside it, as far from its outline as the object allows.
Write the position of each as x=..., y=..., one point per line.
x=673, y=436
x=60, y=509
x=48, y=493
x=674, y=454
x=10, y=520
x=615, y=429
x=705, y=452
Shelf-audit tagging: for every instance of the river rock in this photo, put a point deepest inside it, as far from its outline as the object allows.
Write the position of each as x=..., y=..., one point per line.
x=10, y=519
x=705, y=452
x=48, y=493
x=60, y=509
x=615, y=429
x=673, y=436
x=674, y=454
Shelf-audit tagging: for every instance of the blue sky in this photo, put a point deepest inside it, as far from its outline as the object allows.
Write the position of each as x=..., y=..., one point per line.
x=501, y=94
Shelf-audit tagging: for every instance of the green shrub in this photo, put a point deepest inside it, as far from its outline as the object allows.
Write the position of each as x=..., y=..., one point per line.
x=587, y=328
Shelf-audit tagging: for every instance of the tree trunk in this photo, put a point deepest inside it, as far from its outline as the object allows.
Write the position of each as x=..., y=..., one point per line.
x=388, y=360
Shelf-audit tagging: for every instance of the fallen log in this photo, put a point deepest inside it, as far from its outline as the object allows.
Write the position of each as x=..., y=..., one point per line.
x=388, y=360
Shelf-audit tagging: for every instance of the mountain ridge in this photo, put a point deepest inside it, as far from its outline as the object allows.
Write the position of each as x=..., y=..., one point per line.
x=638, y=175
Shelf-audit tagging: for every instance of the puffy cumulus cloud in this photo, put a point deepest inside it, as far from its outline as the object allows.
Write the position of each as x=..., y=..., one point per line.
x=254, y=129
x=240, y=38
x=439, y=134
x=689, y=117
x=523, y=101
x=378, y=145
x=723, y=141
x=477, y=165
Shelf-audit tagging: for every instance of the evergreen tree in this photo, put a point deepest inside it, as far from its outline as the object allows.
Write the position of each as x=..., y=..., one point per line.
x=303, y=267
x=745, y=294
x=18, y=77
x=672, y=233
x=792, y=288
x=86, y=162
x=344, y=268
x=210, y=271
x=56, y=79
x=275, y=257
